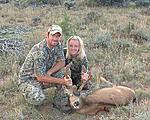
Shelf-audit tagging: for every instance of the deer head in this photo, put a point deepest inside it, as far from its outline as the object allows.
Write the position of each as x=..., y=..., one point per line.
x=75, y=98
x=74, y=94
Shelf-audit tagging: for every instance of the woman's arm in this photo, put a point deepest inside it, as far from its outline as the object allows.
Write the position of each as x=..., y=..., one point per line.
x=85, y=63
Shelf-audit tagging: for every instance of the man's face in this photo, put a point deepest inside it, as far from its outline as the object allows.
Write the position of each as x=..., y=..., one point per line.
x=74, y=47
x=53, y=40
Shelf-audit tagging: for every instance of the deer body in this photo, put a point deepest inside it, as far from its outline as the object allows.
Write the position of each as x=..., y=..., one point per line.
x=102, y=99
x=117, y=95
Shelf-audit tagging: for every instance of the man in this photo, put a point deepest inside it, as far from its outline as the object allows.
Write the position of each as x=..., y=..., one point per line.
x=42, y=69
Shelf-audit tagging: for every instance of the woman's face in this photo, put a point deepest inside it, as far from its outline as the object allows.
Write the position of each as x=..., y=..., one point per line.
x=74, y=47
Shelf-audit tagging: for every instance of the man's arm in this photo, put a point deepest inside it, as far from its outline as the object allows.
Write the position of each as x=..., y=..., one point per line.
x=40, y=71
x=59, y=65
x=49, y=79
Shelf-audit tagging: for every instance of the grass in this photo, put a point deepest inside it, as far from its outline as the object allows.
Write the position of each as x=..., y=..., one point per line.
x=120, y=57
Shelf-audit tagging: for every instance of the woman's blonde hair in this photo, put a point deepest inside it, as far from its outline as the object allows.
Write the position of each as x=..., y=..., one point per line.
x=81, y=52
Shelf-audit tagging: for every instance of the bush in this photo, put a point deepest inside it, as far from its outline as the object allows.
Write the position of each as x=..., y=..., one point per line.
x=26, y=3
x=91, y=3
x=67, y=27
x=123, y=45
x=91, y=17
x=141, y=35
x=6, y=64
x=107, y=2
x=144, y=3
x=142, y=94
x=103, y=40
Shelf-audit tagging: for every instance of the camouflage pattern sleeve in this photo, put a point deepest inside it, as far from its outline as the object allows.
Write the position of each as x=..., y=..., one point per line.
x=67, y=61
x=40, y=63
x=60, y=52
x=85, y=62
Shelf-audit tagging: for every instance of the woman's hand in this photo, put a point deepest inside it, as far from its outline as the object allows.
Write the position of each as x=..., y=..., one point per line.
x=68, y=81
x=84, y=76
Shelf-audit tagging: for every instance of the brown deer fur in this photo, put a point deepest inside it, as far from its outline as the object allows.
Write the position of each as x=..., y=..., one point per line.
x=102, y=99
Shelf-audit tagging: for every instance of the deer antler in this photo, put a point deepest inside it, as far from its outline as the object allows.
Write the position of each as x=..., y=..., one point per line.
x=87, y=78
x=67, y=70
x=82, y=86
x=106, y=81
x=70, y=90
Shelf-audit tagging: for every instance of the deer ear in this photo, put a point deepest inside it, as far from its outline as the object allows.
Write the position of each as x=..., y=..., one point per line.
x=75, y=91
x=83, y=69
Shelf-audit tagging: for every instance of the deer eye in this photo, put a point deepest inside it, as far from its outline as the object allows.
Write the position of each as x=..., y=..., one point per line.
x=70, y=94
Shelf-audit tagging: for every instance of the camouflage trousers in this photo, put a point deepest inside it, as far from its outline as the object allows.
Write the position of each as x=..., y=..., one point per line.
x=61, y=101
x=33, y=93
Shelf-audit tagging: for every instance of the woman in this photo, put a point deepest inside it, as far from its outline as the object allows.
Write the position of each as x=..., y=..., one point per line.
x=75, y=53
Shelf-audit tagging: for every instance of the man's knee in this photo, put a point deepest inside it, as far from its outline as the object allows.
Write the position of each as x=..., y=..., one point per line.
x=35, y=98
x=60, y=97
x=61, y=102
x=32, y=94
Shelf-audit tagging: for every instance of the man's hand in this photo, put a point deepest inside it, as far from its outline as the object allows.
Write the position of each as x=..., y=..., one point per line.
x=45, y=83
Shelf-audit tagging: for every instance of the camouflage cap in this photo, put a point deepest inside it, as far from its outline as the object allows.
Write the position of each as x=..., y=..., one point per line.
x=53, y=29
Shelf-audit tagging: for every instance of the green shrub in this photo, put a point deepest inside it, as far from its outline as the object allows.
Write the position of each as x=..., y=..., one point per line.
x=90, y=3
x=142, y=94
x=129, y=27
x=141, y=35
x=144, y=3
x=26, y=3
x=123, y=45
x=103, y=40
x=8, y=62
x=67, y=27
x=91, y=17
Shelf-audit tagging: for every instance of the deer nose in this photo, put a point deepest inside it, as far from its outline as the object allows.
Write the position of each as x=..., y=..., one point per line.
x=76, y=103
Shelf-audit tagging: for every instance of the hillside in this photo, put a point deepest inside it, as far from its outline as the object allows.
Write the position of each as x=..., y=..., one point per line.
x=117, y=41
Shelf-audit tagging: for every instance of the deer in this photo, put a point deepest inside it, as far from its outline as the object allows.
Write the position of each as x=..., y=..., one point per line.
x=100, y=99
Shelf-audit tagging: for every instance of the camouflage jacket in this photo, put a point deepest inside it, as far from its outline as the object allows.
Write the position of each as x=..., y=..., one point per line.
x=39, y=60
